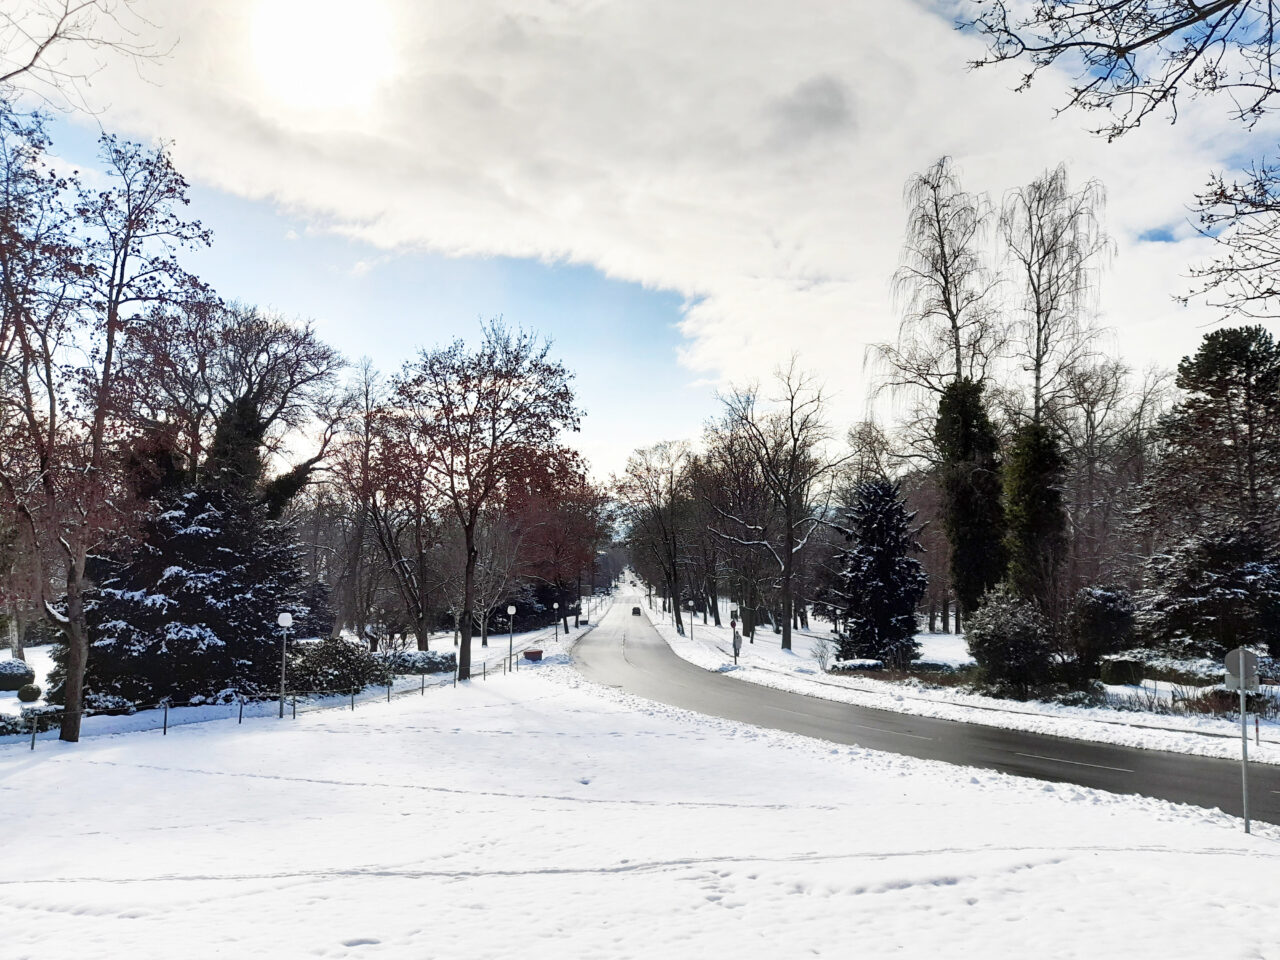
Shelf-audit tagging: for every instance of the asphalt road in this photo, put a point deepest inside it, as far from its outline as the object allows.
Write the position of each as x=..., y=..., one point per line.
x=624, y=651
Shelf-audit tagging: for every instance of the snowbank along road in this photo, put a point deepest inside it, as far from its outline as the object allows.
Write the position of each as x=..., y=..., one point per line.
x=625, y=652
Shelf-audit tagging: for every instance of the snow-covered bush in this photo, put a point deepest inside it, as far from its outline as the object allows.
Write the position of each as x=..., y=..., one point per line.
x=419, y=661
x=333, y=666
x=856, y=665
x=15, y=674
x=1100, y=622
x=1011, y=640
x=29, y=693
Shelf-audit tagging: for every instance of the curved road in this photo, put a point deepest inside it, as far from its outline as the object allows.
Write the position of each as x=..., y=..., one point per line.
x=624, y=651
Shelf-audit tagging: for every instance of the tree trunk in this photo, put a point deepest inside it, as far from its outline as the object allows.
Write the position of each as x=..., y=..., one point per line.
x=946, y=614
x=468, y=603
x=788, y=572
x=77, y=658
x=422, y=630
x=933, y=615
x=17, y=624
x=713, y=599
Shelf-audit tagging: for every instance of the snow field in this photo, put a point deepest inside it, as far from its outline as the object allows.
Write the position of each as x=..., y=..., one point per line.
x=538, y=815
x=766, y=663
x=491, y=657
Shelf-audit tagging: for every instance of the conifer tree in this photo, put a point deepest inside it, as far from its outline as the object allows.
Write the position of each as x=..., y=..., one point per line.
x=972, y=513
x=880, y=583
x=1036, y=516
x=190, y=614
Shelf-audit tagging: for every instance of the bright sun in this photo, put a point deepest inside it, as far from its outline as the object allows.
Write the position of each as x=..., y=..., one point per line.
x=323, y=55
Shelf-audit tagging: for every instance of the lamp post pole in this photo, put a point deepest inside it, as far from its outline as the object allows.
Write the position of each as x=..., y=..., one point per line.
x=511, y=635
x=555, y=612
x=284, y=622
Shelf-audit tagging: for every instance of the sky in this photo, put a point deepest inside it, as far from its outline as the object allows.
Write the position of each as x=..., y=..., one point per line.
x=679, y=193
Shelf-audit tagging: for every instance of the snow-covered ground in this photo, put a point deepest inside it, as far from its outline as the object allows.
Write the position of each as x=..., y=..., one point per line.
x=538, y=815
x=40, y=660
x=490, y=659
x=766, y=663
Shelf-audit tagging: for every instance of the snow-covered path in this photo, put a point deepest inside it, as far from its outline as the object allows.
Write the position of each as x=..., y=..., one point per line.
x=538, y=815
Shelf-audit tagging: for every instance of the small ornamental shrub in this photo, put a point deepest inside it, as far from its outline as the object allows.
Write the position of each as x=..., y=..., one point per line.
x=15, y=674
x=29, y=693
x=419, y=661
x=1011, y=641
x=333, y=666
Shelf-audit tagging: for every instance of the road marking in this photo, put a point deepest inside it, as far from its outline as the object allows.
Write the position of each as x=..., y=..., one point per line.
x=1078, y=763
x=866, y=726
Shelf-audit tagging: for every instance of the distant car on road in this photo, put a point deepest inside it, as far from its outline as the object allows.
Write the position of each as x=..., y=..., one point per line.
x=635, y=611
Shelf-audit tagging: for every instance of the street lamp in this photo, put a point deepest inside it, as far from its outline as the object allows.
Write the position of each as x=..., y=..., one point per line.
x=511, y=634
x=284, y=622
x=690, y=620
x=555, y=608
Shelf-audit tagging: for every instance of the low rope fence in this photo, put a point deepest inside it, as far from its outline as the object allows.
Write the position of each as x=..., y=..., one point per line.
x=293, y=702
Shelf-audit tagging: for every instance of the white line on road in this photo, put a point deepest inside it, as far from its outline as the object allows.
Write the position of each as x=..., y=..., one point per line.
x=865, y=726
x=1078, y=763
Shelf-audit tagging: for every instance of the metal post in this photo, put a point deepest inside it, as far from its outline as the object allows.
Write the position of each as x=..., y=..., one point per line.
x=284, y=644
x=1244, y=752
x=241, y=720
x=166, y=720
x=424, y=684
x=295, y=706
x=35, y=725
x=388, y=693
x=353, y=699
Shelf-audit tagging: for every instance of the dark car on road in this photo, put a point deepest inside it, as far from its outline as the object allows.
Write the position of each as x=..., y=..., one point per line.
x=635, y=611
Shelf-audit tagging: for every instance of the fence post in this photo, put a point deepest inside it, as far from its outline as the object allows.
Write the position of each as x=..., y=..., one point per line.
x=388, y=692
x=424, y=684
x=295, y=706
x=353, y=699
x=166, y=719
x=241, y=720
x=35, y=725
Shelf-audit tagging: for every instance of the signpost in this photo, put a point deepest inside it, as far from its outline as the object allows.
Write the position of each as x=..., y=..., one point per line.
x=1242, y=675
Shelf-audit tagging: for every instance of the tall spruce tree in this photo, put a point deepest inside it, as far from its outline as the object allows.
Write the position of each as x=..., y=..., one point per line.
x=972, y=513
x=1036, y=516
x=880, y=583
x=190, y=613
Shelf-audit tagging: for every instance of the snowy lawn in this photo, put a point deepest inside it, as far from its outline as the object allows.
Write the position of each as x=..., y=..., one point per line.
x=41, y=661
x=766, y=663
x=490, y=658
x=537, y=815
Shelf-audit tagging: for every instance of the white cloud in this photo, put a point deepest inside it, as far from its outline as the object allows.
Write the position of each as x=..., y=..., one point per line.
x=749, y=156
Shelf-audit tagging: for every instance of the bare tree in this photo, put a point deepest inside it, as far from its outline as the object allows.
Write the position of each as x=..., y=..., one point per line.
x=787, y=442
x=35, y=37
x=653, y=491
x=481, y=416
x=1131, y=58
x=1055, y=243
x=950, y=327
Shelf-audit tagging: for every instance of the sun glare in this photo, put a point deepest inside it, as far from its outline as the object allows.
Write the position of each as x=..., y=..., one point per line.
x=323, y=55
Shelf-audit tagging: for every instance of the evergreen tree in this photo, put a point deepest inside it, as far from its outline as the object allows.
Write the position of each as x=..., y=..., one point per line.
x=972, y=514
x=880, y=583
x=1221, y=469
x=1216, y=592
x=191, y=614
x=1011, y=641
x=1036, y=516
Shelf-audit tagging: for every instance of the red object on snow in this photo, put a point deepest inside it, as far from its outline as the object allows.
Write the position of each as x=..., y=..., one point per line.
x=533, y=655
